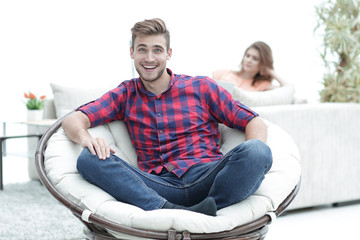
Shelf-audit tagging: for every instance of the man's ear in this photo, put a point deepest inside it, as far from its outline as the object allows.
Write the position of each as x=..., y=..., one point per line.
x=132, y=52
x=169, y=54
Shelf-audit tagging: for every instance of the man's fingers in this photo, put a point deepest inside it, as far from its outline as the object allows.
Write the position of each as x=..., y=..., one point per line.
x=91, y=148
x=107, y=149
x=112, y=150
x=101, y=148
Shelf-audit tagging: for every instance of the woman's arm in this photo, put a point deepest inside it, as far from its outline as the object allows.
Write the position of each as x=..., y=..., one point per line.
x=277, y=78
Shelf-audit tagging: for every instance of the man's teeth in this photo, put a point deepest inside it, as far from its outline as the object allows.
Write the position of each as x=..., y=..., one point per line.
x=149, y=67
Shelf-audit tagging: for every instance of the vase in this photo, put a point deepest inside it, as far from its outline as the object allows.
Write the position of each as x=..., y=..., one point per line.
x=34, y=115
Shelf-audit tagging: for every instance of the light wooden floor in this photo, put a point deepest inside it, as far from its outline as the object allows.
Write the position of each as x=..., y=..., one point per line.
x=320, y=223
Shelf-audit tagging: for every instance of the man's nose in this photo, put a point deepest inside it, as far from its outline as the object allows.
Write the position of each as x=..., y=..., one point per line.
x=150, y=56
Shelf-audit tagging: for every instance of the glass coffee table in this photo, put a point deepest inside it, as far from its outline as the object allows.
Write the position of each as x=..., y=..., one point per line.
x=38, y=125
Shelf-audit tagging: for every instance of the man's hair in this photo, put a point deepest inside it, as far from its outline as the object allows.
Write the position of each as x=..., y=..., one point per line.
x=154, y=26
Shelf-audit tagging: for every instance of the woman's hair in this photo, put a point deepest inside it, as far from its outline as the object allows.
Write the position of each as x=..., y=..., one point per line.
x=154, y=26
x=266, y=60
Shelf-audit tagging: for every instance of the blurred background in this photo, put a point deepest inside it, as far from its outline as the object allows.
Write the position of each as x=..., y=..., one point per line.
x=86, y=42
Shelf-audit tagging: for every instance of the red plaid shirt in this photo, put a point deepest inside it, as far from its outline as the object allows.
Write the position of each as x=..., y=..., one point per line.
x=178, y=128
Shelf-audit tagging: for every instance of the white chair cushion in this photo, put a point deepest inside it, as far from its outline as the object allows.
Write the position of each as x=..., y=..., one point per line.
x=60, y=165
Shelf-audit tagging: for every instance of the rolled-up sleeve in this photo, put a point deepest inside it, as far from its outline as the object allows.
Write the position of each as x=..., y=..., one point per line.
x=107, y=108
x=225, y=109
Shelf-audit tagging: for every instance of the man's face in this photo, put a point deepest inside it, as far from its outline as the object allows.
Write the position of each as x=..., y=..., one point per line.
x=150, y=55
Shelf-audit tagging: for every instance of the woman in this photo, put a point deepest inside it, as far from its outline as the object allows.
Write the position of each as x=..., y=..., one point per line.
x=257, y=71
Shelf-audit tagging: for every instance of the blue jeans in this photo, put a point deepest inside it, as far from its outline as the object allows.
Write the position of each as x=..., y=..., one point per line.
x=230, y=180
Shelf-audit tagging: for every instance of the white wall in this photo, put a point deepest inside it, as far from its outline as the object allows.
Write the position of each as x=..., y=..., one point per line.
x=79, y=42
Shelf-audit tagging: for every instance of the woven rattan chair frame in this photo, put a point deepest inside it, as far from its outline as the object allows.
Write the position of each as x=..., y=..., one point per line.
x=96, y=225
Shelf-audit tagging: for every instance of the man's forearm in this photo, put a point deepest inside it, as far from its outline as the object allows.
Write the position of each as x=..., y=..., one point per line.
x=75, y=127
x=256, y=129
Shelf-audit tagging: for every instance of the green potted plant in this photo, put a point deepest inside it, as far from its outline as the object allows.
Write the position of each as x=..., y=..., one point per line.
x=340, y=22
x=34, y=106
x=33, y=102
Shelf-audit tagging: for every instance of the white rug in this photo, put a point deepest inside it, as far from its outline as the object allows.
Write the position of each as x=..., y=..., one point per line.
x=28, y=211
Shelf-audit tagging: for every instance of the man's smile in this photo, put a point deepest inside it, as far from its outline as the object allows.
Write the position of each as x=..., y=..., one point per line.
x=149, y=68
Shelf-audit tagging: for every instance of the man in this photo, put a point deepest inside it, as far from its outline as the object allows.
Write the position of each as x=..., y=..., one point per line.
x=172, y=121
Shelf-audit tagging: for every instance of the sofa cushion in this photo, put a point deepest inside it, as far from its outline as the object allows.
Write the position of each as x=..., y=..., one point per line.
x=68, y=98
x=277, y=96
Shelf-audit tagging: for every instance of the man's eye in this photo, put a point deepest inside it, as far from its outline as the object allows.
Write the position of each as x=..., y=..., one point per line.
x=141, y=50
x=158, y=50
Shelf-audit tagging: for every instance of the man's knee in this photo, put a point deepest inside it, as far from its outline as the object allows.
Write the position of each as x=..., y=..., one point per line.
x=257, y=152
x=261, y=153
x=85, y=161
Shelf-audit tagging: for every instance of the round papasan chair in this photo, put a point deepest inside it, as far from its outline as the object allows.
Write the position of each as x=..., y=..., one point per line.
x=106, y=218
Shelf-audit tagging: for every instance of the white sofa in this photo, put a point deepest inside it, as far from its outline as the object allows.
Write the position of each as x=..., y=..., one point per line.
x=327, y=135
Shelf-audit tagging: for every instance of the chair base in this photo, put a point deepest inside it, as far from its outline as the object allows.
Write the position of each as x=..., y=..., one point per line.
x=259, y=234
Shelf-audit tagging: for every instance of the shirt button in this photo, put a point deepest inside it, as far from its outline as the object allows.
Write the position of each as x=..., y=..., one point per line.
x=159, y=114
x=161, y=131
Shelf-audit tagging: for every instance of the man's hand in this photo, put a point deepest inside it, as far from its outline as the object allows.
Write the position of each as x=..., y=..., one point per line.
x=100, y=147
x=75, y=127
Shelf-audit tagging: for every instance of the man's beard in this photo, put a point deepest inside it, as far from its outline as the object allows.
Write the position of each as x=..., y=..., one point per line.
x=150, y=79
